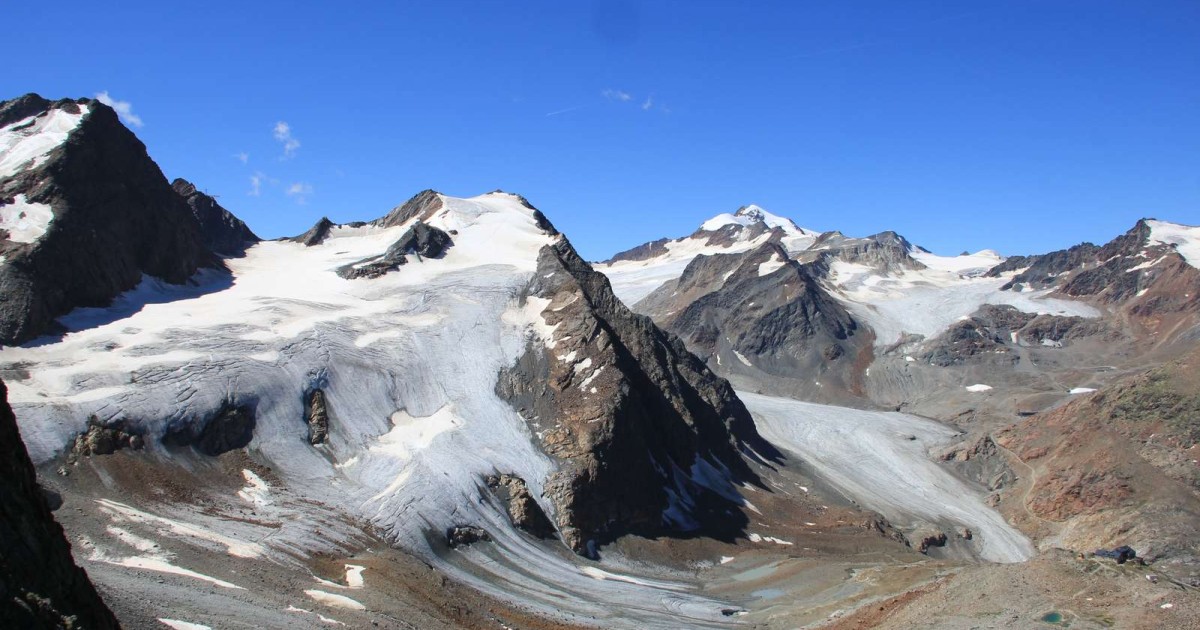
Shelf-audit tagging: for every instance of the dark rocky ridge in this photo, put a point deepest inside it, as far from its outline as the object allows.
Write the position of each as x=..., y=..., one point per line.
x=420, y=240
x=115, y=219
x=317, y=417
x=422, y=206
x=223, y=233
x=635, y=425
x=40, y=584
x=315, y=234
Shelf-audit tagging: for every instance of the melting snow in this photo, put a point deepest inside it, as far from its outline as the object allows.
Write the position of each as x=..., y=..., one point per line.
x=354, y=578
x=336, y=601
x=758, y=538
x=29, y=141
x=771, y=265
x=182, y=625
x=258, y=492
x=25, y=222
x=119, y=512
x=1082, y=390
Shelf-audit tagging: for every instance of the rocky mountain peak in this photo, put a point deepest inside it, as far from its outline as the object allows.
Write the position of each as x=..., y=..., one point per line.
x=751, y=212
x=223, y=233
x=84, y=214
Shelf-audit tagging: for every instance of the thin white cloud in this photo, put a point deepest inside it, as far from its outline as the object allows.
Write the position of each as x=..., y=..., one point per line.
x=283, y=133
x=648, y=103
x=124, y=109
x=563, y=111
x=301, y=191
x=617, y=95
x=256, y=182
x=242, y=157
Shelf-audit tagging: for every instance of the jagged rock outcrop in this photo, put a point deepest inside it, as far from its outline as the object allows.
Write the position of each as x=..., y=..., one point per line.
x=466, y=535
x=420, y=240
x=99, y=214
x=648, y=439
x=229, y=428
x=40, y=584
x=523, y=509
x=422, y=206
x=100, y=439
x=223, y=233
x=886, y=251
x=318, y=417
x=315, y=234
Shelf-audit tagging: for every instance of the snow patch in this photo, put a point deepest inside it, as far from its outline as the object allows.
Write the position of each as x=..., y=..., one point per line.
x=28, y=142
x=354, y=578
x=1185, y=239
x=334, y=600
x=1081, y=390
x=257, y=493
x=979, y=387
x=182, y=625
x=25, y=222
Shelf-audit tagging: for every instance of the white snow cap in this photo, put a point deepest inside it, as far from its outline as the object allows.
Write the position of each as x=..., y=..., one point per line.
x=749, y=215
x=1184, y=238
x=27, y=142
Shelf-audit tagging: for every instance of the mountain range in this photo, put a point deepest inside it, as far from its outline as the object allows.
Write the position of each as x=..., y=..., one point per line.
x=445, y=417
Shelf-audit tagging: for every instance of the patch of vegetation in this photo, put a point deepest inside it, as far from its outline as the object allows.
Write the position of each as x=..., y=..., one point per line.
x=1156, y=399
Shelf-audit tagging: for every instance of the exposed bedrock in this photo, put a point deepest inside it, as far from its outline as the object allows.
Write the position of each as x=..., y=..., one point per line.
x=317, y=417
x=115, y=218
x=648, y=439
x=40, y=584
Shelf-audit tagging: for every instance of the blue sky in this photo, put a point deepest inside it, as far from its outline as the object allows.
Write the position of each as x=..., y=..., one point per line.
x=1020, y=126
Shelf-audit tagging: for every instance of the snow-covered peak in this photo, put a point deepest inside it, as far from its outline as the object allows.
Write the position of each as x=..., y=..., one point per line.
x=27, y=142
x=751, y=215
x=1184, y=238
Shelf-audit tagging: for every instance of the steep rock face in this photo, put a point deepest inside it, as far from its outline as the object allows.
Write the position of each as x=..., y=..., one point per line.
x=40, y=584
x=422, y=206
x=315, y=234
x=90, y=216
x=645, y=251
x=648, y=439
x=223, y=233
x=766, y=322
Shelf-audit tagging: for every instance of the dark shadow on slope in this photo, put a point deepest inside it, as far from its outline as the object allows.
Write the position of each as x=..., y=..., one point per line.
x=148, y=292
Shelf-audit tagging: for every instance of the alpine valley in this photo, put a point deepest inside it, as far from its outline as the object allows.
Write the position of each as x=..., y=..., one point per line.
x=444, y=417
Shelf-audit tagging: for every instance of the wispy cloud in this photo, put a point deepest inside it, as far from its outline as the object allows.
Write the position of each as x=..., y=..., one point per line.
x=283, y=133
x=300, y=191
x=648, y=103
x=617, y=95
x=256, y=182
x=124, y=109
x=563, y=111
x=242, y=157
